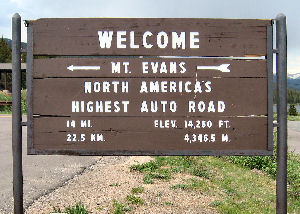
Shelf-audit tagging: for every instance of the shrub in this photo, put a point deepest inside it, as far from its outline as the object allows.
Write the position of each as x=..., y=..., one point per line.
x=24, y=101
x=5, y=97
x=77, y=209
x=292, y=110
x=8, y=108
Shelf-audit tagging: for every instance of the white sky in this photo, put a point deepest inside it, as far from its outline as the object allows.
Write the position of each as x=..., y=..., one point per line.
x=256, y=9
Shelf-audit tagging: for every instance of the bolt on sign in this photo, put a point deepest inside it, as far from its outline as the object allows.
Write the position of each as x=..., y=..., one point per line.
x=150, y=86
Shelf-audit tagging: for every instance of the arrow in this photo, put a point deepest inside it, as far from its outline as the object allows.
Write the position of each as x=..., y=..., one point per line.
x=72, y=67
x=222, y=68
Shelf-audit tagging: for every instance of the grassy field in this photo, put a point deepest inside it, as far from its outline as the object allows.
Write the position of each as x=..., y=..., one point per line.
x=238, y=186
x=289, y=117
x=234, y=184
x=294, y=118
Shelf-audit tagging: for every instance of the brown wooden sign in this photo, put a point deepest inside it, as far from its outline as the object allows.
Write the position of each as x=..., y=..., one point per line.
x=150, y=37
x=105, y=88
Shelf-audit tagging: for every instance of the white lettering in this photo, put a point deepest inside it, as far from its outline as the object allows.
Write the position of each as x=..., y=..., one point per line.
x=154, y=67
x=105, y=86
x=89, y=106
x=225, y=138
x=173, y=68
x=87, y=87
x=126, y=64
x=75, y=106
x=156, y=106
x=115, y=67
x=145, y=67
x=194, y=40
x=144, y=107
x=145, y=35
x=178, y=41
x=120, y=39
x=144, y=87
x=182, y=66
x=154, y=87
x=164, y=86
x=164, y=43
x=125, y=87
x=125, y=105
x=173, y=106
x=221, y=106
x=201, y=106
x=105, y=38
x=100, y=106
x=132, y=45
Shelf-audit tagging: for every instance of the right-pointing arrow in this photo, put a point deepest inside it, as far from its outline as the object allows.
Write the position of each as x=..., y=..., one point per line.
x=222, y=67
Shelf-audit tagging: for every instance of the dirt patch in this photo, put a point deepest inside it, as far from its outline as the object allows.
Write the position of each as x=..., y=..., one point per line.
x=100, y=185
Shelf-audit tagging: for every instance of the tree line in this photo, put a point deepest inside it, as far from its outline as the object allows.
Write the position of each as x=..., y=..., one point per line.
x=293, y=96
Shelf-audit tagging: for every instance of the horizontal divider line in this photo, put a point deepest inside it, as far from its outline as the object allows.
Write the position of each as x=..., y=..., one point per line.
x=153, y=77
x=198, y=152
x=258, y=57
x=149, y=116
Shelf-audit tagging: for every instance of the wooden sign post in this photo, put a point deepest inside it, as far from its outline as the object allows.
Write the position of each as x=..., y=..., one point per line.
x=124, y=86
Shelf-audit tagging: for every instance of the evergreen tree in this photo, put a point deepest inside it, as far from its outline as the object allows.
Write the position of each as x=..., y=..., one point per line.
x=5, y=51
x=293, y=96
x=293, y=110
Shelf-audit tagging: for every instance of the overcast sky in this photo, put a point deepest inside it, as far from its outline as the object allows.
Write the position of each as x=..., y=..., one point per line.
x=254, y=9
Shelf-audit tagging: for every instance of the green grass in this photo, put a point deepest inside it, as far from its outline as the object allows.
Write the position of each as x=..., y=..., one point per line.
x=289, y=117
x=137, y=190
x=5, y=109
x=293, y=118
x=152, y=171
x=120, y=208
x=130, y=203
x=268, y=165
x=180, y=186
x=192, y=184
x=235, y=186
x=167, y=203
x=135, y=200
x=79, y=208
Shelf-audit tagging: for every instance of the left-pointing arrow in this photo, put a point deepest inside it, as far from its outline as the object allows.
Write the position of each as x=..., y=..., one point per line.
x=72, y=67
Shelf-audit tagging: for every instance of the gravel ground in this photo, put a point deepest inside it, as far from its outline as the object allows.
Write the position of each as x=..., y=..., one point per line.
x=99, y=185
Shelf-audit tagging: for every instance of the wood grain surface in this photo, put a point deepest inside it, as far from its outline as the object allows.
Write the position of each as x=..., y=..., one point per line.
x=57, y=67
x=62, y=48
x=217, y=37
x=137, y=134
x=242, y=97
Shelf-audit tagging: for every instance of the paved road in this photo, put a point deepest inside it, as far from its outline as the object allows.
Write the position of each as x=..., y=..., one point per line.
x=294, y=136
x=41, y=173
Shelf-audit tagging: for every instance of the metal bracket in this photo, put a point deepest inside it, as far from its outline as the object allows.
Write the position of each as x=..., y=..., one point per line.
x=24, y=123
x=273, y=21
x=275, y=124
x=275, y=51
x=26, y=22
